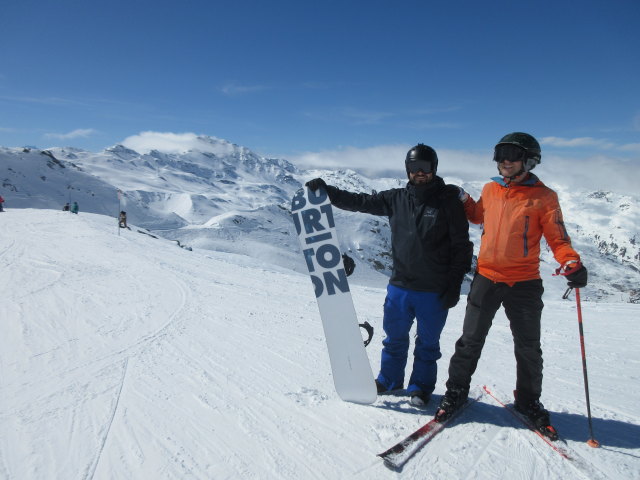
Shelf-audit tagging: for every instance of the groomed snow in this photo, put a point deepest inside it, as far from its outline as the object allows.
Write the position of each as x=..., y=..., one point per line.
x=126, y=357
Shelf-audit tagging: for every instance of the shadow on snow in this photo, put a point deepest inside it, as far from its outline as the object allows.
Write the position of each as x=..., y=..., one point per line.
x=571, y=426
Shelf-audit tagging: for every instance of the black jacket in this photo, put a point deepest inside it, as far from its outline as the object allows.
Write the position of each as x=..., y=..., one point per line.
x=429, y=232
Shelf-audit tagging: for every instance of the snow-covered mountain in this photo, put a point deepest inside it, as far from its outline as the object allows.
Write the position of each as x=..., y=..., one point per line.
x=224, y=197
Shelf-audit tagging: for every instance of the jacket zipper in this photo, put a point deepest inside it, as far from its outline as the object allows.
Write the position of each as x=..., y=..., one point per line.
x=524, y=236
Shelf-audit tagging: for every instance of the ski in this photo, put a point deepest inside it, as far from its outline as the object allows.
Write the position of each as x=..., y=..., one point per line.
x=575, y=460
x=561, y=451
x=400, y=453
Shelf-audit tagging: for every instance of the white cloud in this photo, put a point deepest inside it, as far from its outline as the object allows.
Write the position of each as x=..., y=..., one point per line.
x=169, y=142
x=388, y=161
x=350, y=115
x=235, y=89
x=369, y=161
x=590, y=142
x=630, y=147
x=459, y=166
x=577, y=142
x=44, y=100
x=594, y=172
x=413, y=118
x=78, y=133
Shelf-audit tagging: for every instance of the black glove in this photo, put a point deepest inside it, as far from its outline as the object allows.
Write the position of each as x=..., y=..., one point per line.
x=316, y=183
x=577, y=277
x=349, y=264
x=451, y=295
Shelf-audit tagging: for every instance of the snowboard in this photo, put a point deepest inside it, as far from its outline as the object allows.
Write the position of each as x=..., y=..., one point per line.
x=313, y=218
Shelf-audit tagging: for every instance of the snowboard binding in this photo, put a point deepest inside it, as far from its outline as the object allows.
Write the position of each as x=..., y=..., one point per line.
x=367, y=326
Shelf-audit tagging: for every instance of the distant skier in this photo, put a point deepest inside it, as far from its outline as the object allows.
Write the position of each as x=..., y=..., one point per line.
x=122, y=219
x=66, y=207
x=74, y=208
x=516, y=210
x=431, y=253
x=1, y=202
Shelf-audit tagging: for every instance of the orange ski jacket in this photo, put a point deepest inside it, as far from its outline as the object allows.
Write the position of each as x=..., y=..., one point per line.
x=514, y=217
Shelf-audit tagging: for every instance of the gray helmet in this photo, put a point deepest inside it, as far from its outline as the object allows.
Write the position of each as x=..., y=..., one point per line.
x=421, y=157
x=525, y=141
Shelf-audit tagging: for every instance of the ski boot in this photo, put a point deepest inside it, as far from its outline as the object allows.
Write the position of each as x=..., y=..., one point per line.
x=536, y=414
x=382, y=390
x=418, y=398
x=452, y=400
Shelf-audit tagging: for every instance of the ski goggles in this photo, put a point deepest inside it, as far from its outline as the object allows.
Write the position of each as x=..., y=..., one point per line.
x=510, y=152
x=415, y=166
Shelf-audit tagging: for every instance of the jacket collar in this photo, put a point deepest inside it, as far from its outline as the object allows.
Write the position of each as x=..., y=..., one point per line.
x=421, y=192
x=528, y=182
x=434, y=184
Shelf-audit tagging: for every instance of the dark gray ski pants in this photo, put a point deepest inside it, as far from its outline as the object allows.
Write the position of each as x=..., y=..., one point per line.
x=523, y=307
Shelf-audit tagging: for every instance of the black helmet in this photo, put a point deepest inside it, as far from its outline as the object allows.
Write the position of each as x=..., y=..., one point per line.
x=525, y=141
x=421, y=157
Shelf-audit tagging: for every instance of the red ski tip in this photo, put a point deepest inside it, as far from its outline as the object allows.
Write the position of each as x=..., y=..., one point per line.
x=592, y=442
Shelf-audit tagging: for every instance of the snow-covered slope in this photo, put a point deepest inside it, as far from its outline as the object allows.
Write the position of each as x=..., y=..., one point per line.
x=225, y=198
x=123, y=356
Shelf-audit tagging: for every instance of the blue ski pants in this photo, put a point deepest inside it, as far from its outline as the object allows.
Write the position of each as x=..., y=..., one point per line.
x=401, y=307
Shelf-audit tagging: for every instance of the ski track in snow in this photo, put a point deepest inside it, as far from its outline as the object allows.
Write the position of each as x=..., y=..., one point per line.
x=128, y=357
x=92, y=469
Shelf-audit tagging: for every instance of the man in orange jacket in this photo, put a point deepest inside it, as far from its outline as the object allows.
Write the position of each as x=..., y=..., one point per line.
x=516, y=210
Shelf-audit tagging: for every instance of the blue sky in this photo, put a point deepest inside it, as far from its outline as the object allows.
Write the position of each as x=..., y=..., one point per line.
x=345, y=82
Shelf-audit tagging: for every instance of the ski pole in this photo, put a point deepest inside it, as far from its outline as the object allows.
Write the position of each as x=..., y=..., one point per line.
x=592, y=442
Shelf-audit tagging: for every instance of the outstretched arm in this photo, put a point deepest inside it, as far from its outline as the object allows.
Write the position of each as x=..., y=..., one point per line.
x=376, y=204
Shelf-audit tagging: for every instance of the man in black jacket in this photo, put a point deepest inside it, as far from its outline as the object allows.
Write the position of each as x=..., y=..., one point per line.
x=431, y=253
